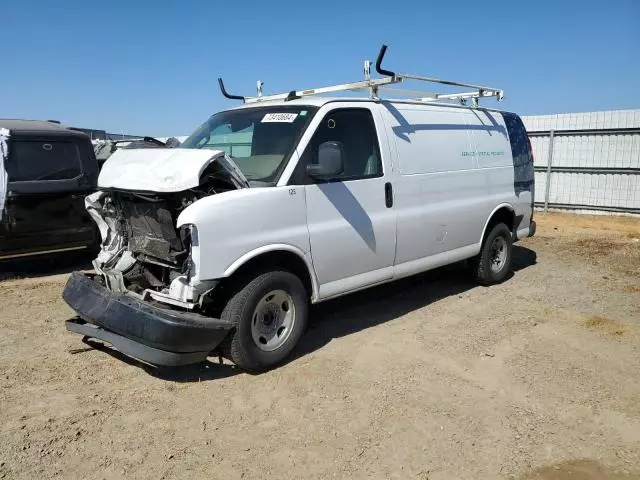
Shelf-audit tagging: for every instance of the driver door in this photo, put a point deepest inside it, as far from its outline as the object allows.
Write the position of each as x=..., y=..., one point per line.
x=351, y=222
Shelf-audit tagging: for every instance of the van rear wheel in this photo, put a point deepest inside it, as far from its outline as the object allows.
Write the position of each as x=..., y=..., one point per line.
x=493, y=264
x=270, y=316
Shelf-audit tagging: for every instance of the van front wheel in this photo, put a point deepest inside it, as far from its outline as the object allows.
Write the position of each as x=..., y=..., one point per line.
x=270, y=316
x=493, y=263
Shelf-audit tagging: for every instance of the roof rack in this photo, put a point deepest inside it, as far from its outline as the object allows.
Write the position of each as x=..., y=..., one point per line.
x=374, y=85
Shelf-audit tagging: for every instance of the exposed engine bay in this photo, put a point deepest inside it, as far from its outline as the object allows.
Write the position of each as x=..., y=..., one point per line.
x=142, y=251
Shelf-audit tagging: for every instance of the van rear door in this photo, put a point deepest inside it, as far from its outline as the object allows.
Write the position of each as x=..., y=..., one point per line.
x=44, y=208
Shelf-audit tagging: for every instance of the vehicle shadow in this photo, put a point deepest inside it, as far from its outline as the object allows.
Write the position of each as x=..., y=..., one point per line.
x=42, y=266
x=368, y=308
x=353, y=313
x=207, y=370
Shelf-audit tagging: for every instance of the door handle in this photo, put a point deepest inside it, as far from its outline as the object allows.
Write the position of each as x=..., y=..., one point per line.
x=388, y=194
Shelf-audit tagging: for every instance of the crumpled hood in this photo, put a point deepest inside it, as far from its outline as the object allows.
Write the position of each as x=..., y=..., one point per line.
x=164, y=170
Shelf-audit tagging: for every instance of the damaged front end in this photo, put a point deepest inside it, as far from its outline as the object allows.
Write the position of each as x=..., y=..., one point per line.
x=142, y=251
x=146, y=290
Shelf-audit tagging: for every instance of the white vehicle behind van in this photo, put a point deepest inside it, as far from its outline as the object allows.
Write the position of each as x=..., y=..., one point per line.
x=292, y=199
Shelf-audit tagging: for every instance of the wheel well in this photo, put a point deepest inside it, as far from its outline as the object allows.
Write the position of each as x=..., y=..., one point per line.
x=275, y=260
x=502, y=215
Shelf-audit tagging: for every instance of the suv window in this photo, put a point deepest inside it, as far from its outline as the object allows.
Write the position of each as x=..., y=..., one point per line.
x=356, y=130
x=32, y=160
x=522, y=158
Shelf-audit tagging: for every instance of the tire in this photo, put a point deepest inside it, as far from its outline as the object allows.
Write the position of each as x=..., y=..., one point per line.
x=263, y=337
x=490, y=267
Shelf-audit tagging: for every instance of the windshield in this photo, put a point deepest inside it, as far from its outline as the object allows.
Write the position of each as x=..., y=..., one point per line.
x=260, y=140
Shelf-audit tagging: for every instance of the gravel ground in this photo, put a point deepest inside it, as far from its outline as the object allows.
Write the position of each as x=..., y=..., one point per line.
x=430, y=377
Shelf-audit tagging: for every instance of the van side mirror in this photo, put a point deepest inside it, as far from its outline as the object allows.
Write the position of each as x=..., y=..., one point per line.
x=330, y=161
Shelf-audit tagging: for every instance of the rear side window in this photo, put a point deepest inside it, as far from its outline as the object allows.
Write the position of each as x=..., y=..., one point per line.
x=38, y=160
x=522, y=159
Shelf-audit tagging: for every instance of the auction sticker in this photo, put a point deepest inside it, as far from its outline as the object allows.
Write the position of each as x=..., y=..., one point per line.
x=279, y=117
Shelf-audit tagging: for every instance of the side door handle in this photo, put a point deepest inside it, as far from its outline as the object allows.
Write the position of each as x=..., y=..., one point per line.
x=388, y=194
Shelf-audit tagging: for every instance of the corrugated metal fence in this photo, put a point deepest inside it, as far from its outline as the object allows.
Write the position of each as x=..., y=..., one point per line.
x=587, y=161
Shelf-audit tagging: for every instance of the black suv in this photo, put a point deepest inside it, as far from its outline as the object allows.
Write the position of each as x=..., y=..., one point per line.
x=50, y=168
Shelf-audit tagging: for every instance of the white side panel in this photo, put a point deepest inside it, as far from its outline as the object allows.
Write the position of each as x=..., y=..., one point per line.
x=430, y=139
x=4, y=155
x=355, y=282
x=434, y=261
x=439, y=192
x=352, y=232
x=237, y=222
x=496, y=163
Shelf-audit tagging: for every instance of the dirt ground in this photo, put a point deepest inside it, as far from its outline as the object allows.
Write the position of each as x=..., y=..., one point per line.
x=431, y=377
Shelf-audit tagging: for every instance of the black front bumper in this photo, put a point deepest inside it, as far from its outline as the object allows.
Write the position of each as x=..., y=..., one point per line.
x=154, y=335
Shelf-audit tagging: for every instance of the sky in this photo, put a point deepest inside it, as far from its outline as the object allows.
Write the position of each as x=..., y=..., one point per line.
x=151, y=68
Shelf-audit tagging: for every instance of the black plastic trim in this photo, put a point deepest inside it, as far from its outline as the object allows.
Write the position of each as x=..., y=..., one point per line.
x=379, y=68
x=134, y=349
x=388, y=195
x=173, y=331
x=228, y=95
x=291, y=96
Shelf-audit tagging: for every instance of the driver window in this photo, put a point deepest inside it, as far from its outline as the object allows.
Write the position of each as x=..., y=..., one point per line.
x=353, y=127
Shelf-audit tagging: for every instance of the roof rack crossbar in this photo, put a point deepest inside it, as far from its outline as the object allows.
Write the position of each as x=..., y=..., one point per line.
x=344, y=87
x=408, y=76
x=373, y=84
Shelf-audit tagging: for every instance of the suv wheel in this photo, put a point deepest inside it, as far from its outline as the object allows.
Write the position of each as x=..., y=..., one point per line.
x=270, y=316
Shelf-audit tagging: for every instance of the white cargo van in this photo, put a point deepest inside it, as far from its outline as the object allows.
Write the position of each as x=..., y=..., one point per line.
x=220, y=245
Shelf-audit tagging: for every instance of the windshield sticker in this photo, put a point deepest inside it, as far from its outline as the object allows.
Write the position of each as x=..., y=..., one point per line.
x=279, y=117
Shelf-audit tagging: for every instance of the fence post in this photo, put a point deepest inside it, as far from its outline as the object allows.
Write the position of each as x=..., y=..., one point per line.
x=548, y=186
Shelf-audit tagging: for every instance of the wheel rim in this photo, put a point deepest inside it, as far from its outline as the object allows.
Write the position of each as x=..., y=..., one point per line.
x=273, y=320
x=498, y=256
